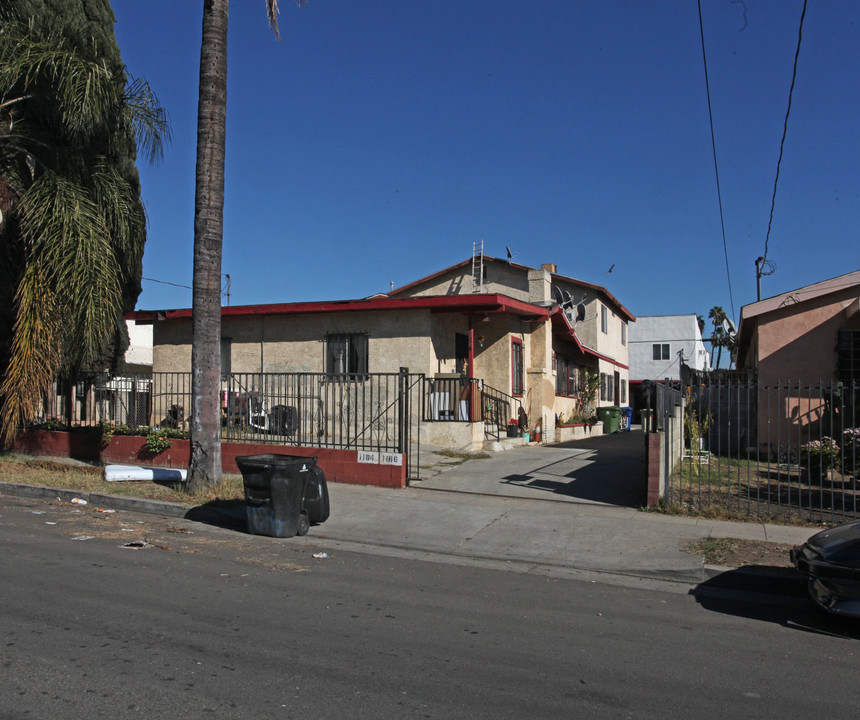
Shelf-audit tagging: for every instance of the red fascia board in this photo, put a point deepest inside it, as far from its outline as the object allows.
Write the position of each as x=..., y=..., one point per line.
x=600, y=289
x=562, y=327
x=437, y=303
x=560, y=323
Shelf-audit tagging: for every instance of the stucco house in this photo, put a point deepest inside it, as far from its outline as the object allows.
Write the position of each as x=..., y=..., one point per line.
x=526, y=333
x=810, y=335
x=797, y=346
x=659, y=346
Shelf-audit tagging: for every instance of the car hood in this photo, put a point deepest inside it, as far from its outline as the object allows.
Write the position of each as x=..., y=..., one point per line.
x=840, y=544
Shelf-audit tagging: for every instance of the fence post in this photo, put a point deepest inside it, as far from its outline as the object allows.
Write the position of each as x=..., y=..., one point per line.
x=403, y=410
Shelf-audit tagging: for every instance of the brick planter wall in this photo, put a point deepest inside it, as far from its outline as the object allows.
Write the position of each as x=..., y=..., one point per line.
x=338, y=465
x=652, y=453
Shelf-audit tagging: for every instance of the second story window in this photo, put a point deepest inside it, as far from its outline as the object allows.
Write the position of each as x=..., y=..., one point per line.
x=604, y=319
x=660, y=351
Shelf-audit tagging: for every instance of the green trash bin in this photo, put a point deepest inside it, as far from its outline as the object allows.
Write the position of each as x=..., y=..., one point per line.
x=611, y=417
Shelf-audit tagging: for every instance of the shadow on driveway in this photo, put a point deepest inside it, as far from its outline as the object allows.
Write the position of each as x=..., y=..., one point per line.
x=607, y=469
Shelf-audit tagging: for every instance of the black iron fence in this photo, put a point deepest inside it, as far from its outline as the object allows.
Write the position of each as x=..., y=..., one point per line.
x=373, y=412
x=789, y=450
x=379, y=412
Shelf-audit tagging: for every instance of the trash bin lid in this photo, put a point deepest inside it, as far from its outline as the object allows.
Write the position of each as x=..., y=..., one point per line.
x=264, y=460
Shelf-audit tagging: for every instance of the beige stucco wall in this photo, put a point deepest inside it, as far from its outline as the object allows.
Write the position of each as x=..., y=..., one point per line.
x=171, y=346
x=498, y=278
x=296, y=343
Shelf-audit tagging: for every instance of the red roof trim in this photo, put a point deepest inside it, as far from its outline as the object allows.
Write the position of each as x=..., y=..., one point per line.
x=462, y=303
x=560, y=319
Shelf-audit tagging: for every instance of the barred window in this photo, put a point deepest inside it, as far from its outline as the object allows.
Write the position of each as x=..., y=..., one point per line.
x=346, y=353
x=566, y=377
x=848, y=356
x=516, y=367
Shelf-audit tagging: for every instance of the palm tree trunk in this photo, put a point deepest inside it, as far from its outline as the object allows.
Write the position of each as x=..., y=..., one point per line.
x=204, y=470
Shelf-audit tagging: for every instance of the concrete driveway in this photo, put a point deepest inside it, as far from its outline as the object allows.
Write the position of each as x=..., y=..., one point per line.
x=607, y=469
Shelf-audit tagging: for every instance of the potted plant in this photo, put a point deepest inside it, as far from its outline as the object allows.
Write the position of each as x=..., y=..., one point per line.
x=819, y=457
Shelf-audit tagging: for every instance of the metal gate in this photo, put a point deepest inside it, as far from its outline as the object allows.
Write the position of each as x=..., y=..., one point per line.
x=378, y=412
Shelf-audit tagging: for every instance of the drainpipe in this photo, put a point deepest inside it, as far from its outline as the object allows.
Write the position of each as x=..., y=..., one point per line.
x=470, y=371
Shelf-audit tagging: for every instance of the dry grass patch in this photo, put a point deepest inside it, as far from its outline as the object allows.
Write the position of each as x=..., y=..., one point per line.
x=86, y=478
x=735, y=552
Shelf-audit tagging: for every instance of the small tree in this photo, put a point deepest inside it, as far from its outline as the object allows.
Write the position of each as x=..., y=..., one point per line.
x=589, y=384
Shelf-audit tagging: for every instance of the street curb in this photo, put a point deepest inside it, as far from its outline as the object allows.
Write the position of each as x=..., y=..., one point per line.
x=762, y=579
x=114, y=502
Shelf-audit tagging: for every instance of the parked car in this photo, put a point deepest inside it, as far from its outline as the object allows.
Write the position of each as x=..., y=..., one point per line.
x=831, y=561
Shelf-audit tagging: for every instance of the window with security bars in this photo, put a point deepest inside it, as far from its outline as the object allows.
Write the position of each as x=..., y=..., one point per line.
x=566, y=376
x=516, y=367
x=607, y=387
x=346, y=353
x=848, y=356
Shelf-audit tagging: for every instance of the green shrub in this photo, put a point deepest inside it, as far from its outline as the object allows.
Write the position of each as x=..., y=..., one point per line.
x=158, y=440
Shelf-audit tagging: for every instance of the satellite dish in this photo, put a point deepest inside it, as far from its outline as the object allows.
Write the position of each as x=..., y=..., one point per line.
x=568, y=299
x=580, y=312
x=559, y=298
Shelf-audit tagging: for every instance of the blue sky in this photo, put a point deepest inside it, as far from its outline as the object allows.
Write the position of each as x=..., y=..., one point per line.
x=379, y=139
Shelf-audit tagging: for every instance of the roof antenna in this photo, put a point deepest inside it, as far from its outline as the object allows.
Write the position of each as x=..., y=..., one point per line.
x=226, y=293
x=511, y=255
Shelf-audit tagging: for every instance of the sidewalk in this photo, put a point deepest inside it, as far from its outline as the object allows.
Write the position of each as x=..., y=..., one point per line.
x=558, y=532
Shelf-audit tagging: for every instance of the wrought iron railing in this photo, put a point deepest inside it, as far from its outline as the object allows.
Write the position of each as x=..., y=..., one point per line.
x=779, y=451
x=375, y=412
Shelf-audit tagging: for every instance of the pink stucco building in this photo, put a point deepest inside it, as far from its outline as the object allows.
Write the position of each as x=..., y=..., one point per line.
x=805, y=341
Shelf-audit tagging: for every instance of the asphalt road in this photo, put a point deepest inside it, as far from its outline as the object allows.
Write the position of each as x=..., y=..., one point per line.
x=204, y=622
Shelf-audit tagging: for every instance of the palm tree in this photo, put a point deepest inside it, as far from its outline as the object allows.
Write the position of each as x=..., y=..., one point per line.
x=717, y=316
x=204, y=469
x=72, y=226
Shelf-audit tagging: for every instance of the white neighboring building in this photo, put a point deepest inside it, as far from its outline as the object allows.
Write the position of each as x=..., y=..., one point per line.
x=138, y=356
x=655, y=343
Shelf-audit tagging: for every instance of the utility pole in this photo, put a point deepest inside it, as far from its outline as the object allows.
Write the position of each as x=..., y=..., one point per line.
x=759, y=262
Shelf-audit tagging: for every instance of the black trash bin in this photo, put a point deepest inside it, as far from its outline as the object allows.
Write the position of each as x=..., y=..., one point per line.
x=275, y=488
x=316, y=503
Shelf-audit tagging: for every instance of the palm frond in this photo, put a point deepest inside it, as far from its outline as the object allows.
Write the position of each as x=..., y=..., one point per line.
x=35, y=356
x=67, y=236
x=148, y=119
x=85, y=92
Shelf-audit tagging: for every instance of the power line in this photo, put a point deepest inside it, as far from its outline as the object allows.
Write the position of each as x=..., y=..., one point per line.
x=784, y=129
x=164, y=282
x=714, y=148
